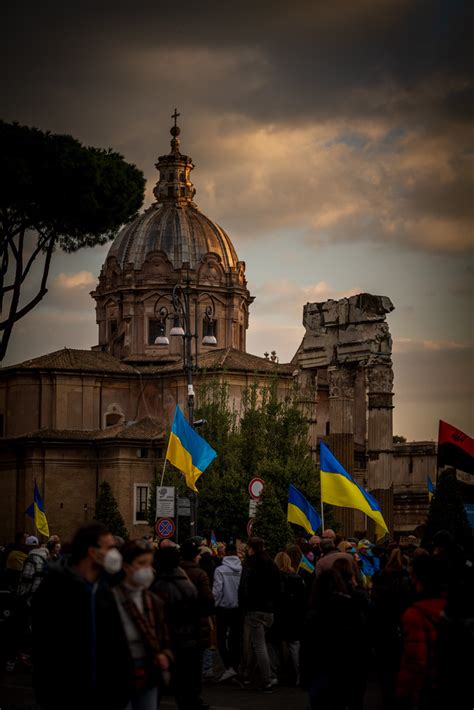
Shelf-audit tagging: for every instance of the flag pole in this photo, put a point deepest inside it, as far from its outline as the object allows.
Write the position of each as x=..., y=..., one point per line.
x=163, y=473
x=322, y=516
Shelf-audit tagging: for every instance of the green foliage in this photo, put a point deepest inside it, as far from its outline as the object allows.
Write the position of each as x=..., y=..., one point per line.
x=447, y=511
x=266, y=437
x=54, y=192
x=107, y=512
x=399, y=439
x=51, y=183
x=270, y=522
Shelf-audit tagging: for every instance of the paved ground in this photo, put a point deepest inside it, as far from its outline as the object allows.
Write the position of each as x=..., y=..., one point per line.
x=16, y=694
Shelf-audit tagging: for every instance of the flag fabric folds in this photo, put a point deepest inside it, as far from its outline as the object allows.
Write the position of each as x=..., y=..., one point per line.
x=306, y=564
x=455, y=448
x=301, y=512
x=188, y=451
x=41, y=522
x=339, y=488
x=431, y=488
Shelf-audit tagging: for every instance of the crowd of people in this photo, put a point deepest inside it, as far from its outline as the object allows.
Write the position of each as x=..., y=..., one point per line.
x=125, y=622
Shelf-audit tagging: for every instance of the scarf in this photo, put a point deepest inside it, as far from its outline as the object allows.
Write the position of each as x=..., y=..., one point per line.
x=145, y=623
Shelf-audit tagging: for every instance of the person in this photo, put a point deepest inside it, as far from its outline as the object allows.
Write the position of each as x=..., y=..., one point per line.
x=330, y=642
x=369, y=563
x=288, y=620
x=330, y=554
x=182, y=615
x=142, y=615
x=391, y=595
x=258, y=592
x=225, y=590
x=34, y=571
x=417, y=678
x=77, y=630
x=329, y=534
x=190, y=558
x=15, y=557
x=207, y=562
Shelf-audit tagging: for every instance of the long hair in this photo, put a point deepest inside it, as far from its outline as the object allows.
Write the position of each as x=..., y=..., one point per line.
x=295, y=554
x=395, y=561
x=283, y=562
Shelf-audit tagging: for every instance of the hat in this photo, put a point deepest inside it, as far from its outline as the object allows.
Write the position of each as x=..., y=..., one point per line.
x=364, y=544
x=32, y=540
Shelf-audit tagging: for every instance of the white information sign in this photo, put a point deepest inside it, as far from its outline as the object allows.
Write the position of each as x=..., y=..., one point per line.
x=184, y=507
x=253, y=508
x=165, y=501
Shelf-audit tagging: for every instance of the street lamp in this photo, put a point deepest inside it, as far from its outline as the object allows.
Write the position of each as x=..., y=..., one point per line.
x=183, y=298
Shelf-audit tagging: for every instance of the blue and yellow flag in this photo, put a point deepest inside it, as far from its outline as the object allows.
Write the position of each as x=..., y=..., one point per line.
x=306, y=564
x=431, y=488
x=301, y=512
x=187, y=450
x=39, y=515
x=339, y=488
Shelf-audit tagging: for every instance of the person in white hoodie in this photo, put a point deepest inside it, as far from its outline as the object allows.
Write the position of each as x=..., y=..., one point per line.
x=225, y=589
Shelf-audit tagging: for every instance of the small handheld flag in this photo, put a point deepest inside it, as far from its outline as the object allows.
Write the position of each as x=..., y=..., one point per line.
x=431, y=488
x=306, y=564
x=301, y=512
x=339, y=488
x=188, y=451
x=41, y=522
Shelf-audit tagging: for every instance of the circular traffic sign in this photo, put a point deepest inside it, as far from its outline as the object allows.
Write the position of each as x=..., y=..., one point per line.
x=165, y=527
x=256, y=488
x=250, y=526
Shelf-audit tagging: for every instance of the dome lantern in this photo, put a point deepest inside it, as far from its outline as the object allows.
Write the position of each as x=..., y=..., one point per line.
x=174, y=184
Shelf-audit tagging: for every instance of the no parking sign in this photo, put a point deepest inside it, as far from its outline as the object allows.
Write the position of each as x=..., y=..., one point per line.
x=165, y=527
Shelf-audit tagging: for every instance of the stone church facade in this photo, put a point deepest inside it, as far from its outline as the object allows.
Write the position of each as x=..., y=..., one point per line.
x=74, y=418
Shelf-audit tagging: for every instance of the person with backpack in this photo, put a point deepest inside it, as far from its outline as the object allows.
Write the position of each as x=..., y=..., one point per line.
x=183, y=617
x=418, y=676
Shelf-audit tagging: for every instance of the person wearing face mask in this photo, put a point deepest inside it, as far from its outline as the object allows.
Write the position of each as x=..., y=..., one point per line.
x=77, y=628
x=143, y=622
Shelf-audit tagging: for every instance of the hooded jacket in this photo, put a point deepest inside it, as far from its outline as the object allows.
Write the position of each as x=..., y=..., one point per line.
x=226, y=582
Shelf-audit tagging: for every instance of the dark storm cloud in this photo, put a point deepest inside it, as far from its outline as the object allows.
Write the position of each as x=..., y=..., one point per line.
x=109, y=72
x=321, y=57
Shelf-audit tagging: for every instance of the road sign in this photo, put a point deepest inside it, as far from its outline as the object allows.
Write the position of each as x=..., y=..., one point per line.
x=256, y=488
x=184, y=507
x=165, y=527
x=250, y=527
x=253, y=508
x=165, y=501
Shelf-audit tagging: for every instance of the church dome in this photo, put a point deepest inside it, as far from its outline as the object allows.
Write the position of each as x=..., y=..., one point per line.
x=181, y=231
x=173, y=224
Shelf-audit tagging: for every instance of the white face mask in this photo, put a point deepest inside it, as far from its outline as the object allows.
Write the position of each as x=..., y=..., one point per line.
x=143, y=577
x=112, y=561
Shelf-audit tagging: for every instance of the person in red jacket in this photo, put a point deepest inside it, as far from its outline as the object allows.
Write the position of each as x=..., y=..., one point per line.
x=416, y=688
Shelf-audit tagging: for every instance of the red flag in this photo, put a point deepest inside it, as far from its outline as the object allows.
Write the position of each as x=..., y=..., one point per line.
x=455, y=448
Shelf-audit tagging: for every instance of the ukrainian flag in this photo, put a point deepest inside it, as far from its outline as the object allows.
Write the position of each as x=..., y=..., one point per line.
x=339, y=488
x=301, y=512
x=431, y=488
x=41, y=523
x=188, y=451
x=306, y=565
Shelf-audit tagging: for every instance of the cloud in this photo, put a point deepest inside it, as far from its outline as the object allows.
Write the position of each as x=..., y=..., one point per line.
x=79, y=280
x=409, y=345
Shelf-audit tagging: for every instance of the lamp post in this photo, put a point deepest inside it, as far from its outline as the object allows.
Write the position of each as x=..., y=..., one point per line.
x=184, y=299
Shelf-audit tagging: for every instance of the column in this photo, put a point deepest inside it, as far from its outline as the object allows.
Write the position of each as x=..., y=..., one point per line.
x=341, y=381
x=380, y=438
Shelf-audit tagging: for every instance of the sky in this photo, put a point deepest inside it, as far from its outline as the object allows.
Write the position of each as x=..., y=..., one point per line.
x=332, y=141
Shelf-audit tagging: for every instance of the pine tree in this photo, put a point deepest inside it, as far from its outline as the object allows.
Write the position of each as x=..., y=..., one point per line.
x=447, y=511
x=107, y=512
